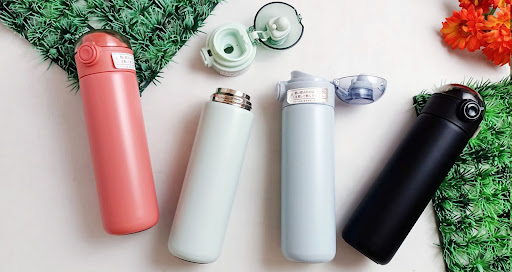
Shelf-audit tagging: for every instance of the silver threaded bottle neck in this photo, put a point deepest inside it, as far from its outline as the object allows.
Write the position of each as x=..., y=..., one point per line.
x=232, y=97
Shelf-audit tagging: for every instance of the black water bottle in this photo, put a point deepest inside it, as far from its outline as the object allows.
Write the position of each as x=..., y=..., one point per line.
x=415, y=171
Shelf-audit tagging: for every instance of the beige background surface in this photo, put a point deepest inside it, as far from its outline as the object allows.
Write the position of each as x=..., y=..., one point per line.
x=49, y=214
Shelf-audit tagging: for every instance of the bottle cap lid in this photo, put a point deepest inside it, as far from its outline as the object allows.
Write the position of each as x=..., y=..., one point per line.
x=103, y=38
x=461, y=92
x=471, y=106
x=458, y=104
x=360, y=89
x=282, y=24
x=99, y=51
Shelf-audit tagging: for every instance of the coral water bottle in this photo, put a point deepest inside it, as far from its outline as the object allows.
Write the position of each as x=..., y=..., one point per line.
x=213, y=170
x=117, y=137
x=415, y=171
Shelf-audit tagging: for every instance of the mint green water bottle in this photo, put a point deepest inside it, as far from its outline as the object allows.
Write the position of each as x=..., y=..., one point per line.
x=213, y=170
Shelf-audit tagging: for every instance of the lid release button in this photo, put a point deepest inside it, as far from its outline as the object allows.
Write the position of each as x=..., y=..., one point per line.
x=88, y=53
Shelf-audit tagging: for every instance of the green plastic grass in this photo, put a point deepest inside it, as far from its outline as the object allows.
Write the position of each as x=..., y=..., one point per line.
x=157, y=29
x=473, y=203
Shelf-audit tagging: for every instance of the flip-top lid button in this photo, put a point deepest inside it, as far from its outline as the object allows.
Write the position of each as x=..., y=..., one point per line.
x=87, y=53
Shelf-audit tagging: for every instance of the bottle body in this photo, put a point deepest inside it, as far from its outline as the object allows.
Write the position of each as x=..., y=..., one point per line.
x=387, y=213
x=210, y=183
x=405, y=186
x=308, y=226
x=119, y=150
x=117, y=136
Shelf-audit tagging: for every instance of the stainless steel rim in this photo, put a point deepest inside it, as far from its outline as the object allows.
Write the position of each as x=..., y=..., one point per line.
x=232, y=97
x=233, y=92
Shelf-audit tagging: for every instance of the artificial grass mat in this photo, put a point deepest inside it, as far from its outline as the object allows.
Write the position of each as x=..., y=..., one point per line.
x=473, y=203
x=157, y=29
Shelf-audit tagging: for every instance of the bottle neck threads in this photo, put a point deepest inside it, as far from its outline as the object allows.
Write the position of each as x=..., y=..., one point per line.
x=232, y=97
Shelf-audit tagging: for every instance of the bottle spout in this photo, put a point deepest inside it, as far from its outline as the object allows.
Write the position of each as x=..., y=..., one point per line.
x=282, y=85
x=281, y=91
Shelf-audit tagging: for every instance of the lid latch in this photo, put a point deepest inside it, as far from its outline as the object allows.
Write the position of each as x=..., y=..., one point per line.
x=206, y=55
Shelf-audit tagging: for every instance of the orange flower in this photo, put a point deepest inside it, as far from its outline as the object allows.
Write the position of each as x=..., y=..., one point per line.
x=498, y=37
x=495, y=22
x=501, y=4
x=464, y=29
x=485, y=5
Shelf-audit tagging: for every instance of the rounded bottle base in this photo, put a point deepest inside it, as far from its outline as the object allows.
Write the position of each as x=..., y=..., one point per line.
x=309, y=258
x=369, y=253
x=192, y=257
x=133, y=227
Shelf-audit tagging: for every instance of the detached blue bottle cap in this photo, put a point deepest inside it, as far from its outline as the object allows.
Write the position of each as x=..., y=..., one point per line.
x=359, y=90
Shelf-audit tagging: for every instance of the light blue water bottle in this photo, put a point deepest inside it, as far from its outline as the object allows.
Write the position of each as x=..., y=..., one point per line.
x=308, y=224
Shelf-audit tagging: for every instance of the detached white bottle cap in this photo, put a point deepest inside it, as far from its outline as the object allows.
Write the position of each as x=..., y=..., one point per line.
x=231, y=48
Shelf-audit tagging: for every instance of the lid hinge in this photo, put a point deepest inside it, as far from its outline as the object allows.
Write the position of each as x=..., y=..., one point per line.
x=258, y=35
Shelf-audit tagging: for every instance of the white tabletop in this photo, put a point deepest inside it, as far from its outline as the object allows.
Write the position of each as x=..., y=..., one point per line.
x=49, y=214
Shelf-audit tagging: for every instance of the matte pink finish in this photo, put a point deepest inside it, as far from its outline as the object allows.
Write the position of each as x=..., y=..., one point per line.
x=117, y=140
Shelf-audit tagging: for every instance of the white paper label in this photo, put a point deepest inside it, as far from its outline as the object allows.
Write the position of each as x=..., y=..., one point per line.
x=123, y=61
x=306, y=95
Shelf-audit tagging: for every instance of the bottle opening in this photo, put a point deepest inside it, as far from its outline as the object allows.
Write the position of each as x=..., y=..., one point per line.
x=232, y=97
